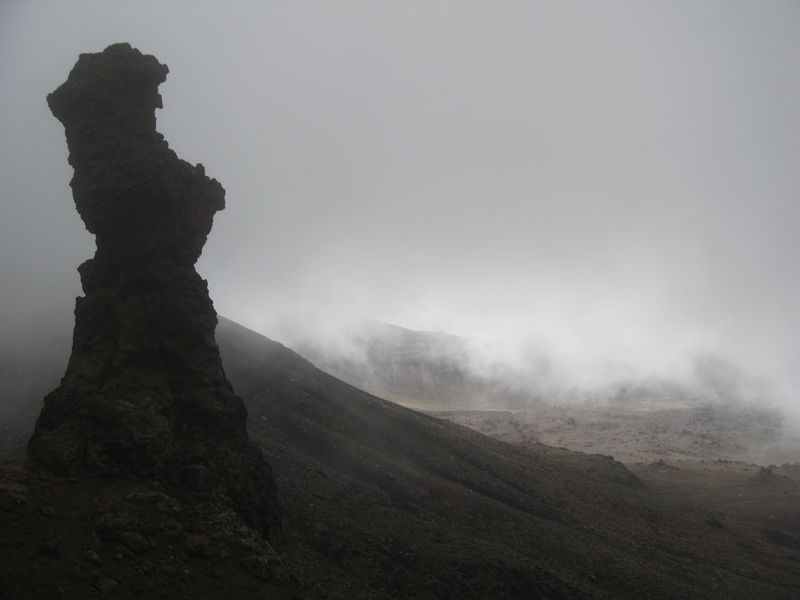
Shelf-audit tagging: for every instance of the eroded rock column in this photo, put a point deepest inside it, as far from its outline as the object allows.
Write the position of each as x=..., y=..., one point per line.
x=144, y=392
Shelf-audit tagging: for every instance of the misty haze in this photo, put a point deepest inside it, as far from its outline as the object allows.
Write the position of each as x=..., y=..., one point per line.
x=507, y=292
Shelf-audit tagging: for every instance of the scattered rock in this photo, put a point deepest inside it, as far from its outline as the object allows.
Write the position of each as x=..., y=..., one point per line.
x=250, y=543
x=106, y=586
x=13, y=496
x=200, y=546
x=765, y=475
x=135, y=542
x=170, y=506
x=92, y=557
x=170, y=529
x=258, y=566
x=147, y=497
x=660, y=464
x=780, y=538
x=49, y=548
x=197, y=477
x=112, y=525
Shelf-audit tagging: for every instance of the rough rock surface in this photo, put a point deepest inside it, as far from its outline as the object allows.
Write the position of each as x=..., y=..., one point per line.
x=144, y=392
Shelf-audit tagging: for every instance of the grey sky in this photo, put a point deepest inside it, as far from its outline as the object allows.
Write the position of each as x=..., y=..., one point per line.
x=615, y=179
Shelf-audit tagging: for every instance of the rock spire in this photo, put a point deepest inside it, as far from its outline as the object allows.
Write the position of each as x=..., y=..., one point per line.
x=144, y=392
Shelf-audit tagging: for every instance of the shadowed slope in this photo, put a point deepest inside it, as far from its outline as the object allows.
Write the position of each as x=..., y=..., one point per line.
x=382, y=501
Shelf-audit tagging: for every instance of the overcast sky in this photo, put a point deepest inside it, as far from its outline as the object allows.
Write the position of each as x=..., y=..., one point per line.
x=617, y=180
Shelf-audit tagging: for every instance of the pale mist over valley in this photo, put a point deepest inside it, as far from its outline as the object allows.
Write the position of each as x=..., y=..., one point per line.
x=513, y=280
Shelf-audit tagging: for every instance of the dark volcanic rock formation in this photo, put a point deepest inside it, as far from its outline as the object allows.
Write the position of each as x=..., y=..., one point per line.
x=145, y=391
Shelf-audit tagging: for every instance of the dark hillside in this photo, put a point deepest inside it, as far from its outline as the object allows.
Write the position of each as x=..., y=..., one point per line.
x=381, y=501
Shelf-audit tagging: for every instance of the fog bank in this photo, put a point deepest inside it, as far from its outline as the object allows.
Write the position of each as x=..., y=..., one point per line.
x=612, y=182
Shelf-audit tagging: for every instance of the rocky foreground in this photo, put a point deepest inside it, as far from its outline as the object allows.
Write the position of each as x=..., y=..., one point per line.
x=127, y=538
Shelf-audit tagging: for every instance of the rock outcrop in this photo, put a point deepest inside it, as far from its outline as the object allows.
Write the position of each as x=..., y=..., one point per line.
x=144, y=392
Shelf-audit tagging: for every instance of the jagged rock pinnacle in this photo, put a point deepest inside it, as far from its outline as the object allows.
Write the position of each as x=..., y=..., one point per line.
x=144, y=392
